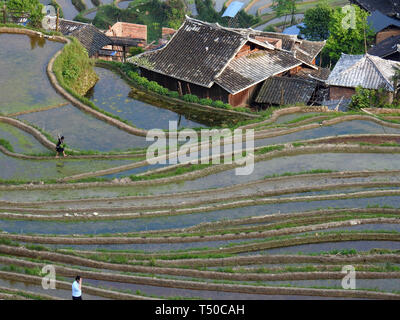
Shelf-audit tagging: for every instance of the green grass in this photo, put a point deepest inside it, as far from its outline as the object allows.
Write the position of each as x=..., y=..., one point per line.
x=6, y=144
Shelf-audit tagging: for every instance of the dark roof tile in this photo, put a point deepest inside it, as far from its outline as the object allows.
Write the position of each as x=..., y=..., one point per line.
x=285, y=90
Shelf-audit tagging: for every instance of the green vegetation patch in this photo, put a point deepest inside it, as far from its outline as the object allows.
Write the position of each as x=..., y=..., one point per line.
x=74, y=69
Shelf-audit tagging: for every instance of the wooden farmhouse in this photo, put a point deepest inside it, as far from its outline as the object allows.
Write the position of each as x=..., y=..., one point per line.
x=227, y=64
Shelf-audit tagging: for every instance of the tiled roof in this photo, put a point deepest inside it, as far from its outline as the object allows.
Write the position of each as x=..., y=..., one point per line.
x=386, y=47
x=128, y=30
x=388, y=7
x=285, y=90
x=320, y=74
x=367, y=71
x=88, y=35
x=378, y=21
x=307, y=50
x=304, y=50
x=91, y=38
x=251, y=69
x=197, y=53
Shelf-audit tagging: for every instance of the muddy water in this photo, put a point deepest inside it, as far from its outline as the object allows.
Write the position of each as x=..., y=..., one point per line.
x=182, y=221
x=24, y=60
x=82, y=131
x=112, y=94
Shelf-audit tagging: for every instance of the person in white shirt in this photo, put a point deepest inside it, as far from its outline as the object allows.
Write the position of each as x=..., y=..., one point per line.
x=77, y=289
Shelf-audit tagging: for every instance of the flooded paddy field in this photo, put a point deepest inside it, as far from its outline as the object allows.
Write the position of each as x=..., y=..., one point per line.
x=188, y=220
x=21, y=141
x=334, y=206
x=25, y=63
x=82, y=131
x=113, y=94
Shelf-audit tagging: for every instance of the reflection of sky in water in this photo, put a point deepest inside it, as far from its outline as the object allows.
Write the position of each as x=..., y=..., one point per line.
x=21, y=141
x=111, y=94
x=123, y=4
x=299, y=163
x=17, y=169
x=182, y=221
x=82, y=131
x=214, y=244
x=342, y=128
x=26, y=86
x=68, y=9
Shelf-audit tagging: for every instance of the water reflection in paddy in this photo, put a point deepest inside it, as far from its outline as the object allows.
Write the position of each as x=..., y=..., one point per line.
x=27, y=170
x=82, y=131
x=342, y=128
x=188, y=220
x=26, y=86
x=111, y=94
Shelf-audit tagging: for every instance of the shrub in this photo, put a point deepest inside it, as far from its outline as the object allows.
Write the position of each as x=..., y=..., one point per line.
x=135, y=50
x=74, y=68
x=218, y=104
x=191, y=98
x=6, y=144
x=366, y=98
x=173, y=94
x=79, y=5
x=206, y=102
x=33, y=7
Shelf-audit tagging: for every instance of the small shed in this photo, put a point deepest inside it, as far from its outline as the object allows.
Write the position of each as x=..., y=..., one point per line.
x=286, y=91
x=366, y=71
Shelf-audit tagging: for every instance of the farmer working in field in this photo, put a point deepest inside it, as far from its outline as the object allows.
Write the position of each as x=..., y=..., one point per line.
x=60, y=146
x=77, y=289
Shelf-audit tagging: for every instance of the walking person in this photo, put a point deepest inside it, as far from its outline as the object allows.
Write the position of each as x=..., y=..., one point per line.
x=77, y=288
x=60, y=146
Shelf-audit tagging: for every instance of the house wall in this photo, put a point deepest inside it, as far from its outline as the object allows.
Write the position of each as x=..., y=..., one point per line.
x=336, y=93
x=387, y=33
x=242, y=98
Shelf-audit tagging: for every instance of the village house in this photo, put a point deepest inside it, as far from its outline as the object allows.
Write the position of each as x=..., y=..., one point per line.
x=306, y=87
x=366, y=71
x=387, y=49
x=227, y=64
x=124, y=36
x=383, y=26
x=390, y=8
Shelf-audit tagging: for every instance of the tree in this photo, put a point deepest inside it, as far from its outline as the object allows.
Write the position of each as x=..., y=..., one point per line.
x=349, y=33
x=316, y=22
x=396, y=84
x=285, y=8
x=175, y=11
x=33, y=7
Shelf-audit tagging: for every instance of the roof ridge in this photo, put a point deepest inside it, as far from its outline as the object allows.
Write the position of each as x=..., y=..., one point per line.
x=371, y=59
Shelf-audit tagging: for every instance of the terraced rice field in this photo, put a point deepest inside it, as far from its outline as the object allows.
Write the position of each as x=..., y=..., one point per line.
x=324, y=193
